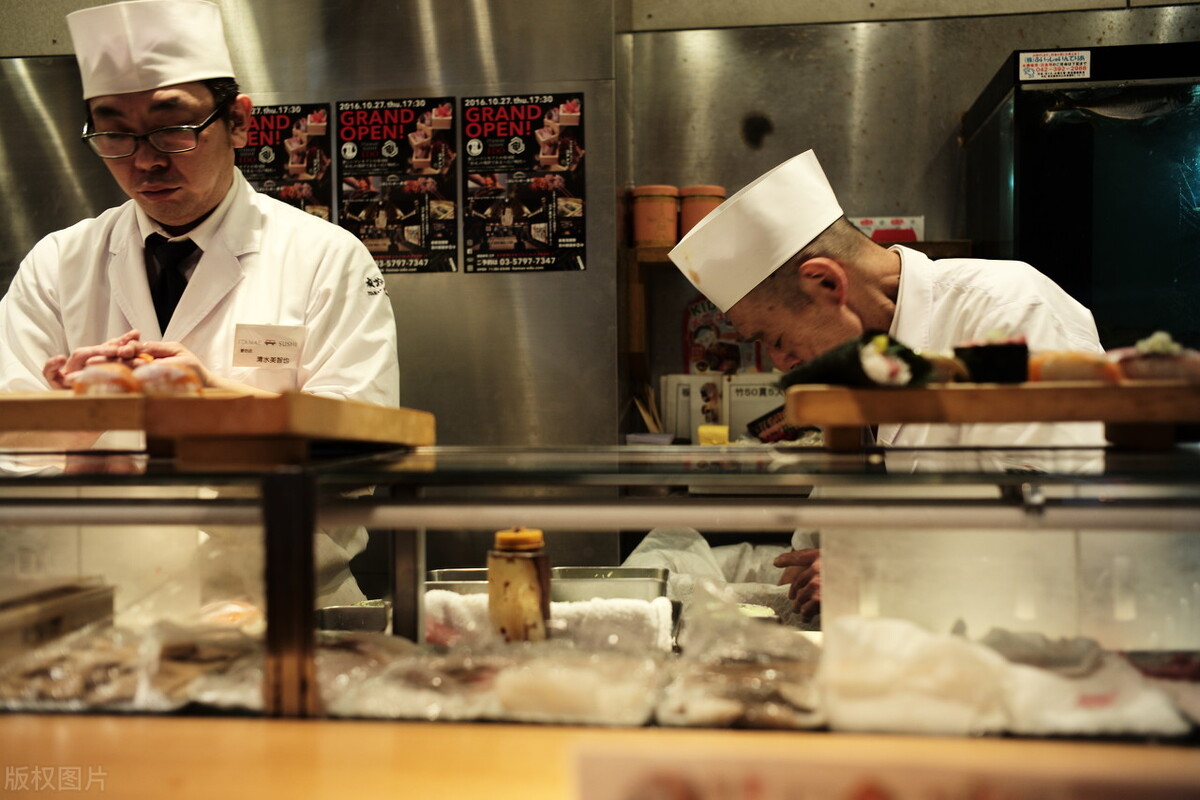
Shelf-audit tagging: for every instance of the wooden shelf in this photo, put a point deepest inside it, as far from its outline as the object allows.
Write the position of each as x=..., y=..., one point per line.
x=220, y=428
x=1135, y=412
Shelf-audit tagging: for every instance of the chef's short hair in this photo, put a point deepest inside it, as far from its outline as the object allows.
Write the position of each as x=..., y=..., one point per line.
x=841, y=242
x=224, y=92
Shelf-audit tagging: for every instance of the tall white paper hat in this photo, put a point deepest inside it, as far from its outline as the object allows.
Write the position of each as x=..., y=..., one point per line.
x=742, y=241
x=148, y=44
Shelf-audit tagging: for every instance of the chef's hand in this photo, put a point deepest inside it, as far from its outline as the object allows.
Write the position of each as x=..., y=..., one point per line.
x=175, y=353
x=802, y=574
x=59, y=371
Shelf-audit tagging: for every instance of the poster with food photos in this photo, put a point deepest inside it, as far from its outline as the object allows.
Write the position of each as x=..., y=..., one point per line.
x=396, y=186
x=287, y=156
x=524, y=183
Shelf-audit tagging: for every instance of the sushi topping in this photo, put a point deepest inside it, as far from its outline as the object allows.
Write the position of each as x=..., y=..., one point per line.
x=882, y=363
x=1158, y=343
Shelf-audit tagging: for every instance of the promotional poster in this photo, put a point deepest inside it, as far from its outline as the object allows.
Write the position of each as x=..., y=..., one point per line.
x=396, y=186
x=712, y=344
x=287, y=156
x=524, y=183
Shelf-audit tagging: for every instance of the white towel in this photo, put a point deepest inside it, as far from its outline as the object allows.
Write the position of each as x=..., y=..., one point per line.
x=596, y=623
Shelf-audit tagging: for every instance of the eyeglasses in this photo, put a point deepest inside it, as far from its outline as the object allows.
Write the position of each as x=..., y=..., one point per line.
x=171, y=139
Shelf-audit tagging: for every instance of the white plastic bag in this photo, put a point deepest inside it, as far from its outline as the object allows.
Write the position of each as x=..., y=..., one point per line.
x=891, y=675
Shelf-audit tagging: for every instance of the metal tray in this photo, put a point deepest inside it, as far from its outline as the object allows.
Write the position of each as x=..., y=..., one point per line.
x=459, y=574
x=585, y=583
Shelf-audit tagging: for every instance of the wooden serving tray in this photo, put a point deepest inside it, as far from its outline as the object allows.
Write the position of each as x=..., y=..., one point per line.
x=1136, y=412
x=217, y=429
x=63, y=411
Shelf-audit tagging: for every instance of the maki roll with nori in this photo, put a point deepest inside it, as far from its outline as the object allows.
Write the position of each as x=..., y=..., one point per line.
x=871, y=360
x=996, y=359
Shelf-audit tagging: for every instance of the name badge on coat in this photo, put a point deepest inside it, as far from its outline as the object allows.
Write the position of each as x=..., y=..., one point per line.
x=268, y=346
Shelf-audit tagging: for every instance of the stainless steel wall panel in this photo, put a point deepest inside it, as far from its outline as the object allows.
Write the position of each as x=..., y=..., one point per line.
x=372, y=46
x=880, y=102
x=525, y=358
x=658, y=15
x=51, y=179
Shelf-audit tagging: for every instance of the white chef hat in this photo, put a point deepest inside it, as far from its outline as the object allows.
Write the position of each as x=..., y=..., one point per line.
x=148, y=44
x=741, y=242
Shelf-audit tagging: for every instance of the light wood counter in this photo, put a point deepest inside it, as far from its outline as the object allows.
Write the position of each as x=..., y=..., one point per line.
x=209, y=757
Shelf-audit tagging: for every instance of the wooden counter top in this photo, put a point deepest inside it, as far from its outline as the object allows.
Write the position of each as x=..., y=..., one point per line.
x=208, y=757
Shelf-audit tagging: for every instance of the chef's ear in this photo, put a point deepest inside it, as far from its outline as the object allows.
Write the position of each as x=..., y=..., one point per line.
x=823, y=279
x=239, y=119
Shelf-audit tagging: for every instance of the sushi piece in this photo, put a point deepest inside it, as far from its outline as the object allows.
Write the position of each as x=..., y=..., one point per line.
x=1157, y=357
x=162, y=379
x=995, y=359
x=944, y=368
x=105, y=378
x=871, y=360
x=1070, y=365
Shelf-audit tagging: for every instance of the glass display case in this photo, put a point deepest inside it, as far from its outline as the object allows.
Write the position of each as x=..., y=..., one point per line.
x=1107, y=552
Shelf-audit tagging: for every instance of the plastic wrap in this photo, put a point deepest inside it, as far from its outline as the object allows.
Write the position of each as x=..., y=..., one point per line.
x=547, y=682
x=120, y=669
x=740, y=671
x=888, y=675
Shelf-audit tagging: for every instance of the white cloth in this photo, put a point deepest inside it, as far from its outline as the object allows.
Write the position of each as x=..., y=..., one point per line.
x=148, y=44
x=891, y=675
x=267, y=263
x=947, y=302
x=600, y=623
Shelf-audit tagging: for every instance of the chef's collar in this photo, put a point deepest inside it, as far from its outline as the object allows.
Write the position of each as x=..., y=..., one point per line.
x=203, y=234
x=914, y=299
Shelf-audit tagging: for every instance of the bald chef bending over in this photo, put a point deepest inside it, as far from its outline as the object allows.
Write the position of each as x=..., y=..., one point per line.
x=787, y=269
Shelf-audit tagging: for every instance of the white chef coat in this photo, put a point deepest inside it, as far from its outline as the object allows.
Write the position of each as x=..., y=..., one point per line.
x=264, y=263
x=946, y=302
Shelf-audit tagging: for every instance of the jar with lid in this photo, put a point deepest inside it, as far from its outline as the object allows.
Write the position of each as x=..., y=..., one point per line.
x=696, y=202
x=655, y=215
x=518, y=572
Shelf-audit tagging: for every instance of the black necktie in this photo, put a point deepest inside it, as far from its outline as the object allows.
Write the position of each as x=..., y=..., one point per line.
x=171, y=280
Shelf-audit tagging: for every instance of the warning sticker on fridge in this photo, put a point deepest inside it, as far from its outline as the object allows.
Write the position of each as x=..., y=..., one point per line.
x=524, y=183
x=397, y=190
x=1055, y=65
x=286, y=155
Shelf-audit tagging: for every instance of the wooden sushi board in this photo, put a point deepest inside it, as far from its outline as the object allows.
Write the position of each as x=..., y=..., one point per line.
x=222, y=428
x=1135, y=412
x=63, y=411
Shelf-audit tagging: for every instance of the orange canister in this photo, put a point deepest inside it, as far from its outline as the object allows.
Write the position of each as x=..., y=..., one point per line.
x=655, y=215
x=695, y=202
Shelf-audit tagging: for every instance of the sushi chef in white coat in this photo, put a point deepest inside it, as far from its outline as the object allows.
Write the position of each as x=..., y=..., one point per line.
x=263, y=269
x=788, y=270
x=273, y=299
